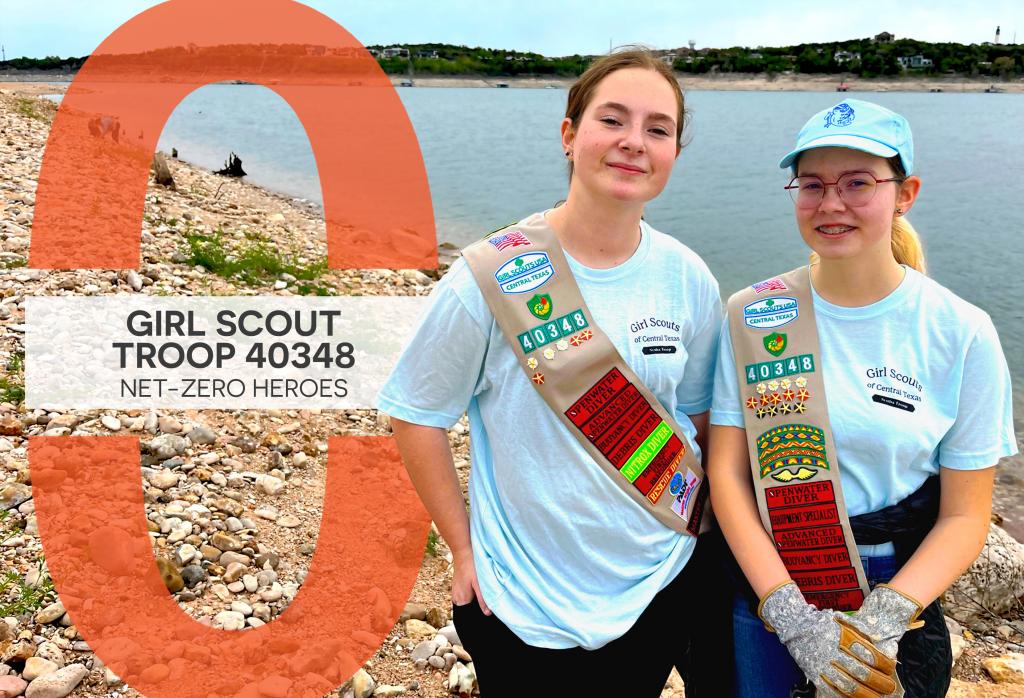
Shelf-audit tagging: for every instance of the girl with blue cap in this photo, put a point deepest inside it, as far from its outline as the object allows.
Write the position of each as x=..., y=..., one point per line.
x=868, y=405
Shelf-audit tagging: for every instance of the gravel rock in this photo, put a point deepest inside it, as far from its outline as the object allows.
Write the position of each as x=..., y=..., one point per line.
x=225, y=541
x=1006, y=669
x=169, y=425
x=58, y=684
x=957, y=643
x=363, y=684
x=193, y=575
x=36, y=667
x=202, y=435
x=229, y=620
x=13, y=495
x=268, y=484
x=51, y=613
x=289, y=521
x=50, y=651
x=164, y=479
x=449, y=632
x=419, y=630
x=11, y=686
x=994, y=582
x=234, y=572
x=424, y=650
x=167, y=446
x=111, y=423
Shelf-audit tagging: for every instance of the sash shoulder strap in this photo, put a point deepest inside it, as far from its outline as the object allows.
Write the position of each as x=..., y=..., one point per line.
x=793, y=458
x=526, y=280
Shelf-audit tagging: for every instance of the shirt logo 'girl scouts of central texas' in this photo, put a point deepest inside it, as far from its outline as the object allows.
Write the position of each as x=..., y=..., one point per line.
x=840, y=115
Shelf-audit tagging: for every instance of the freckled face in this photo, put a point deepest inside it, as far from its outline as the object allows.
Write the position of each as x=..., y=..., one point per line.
x=834, y=229
x=625, y=144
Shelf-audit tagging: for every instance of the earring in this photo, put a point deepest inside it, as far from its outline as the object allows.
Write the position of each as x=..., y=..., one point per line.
x=568, y=153
x=899, y=212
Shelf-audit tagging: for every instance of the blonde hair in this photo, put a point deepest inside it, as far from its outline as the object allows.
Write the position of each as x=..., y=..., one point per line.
x=906, y=243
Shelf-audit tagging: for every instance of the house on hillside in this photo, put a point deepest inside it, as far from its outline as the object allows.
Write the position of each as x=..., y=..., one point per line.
x=884, y=38
x=669, y=59
x=845, y=57
x=395, y=52
x=915, y=62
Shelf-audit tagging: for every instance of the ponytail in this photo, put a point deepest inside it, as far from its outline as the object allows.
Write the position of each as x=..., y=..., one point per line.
x=906, y=245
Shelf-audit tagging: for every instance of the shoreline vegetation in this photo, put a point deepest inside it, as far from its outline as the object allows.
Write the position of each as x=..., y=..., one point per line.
x=33, y=84
x=879, y=63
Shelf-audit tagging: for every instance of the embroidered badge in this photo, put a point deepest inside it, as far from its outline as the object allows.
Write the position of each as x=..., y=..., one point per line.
x=769, y=285
x=803, y=363
x=540, y=305
x=538, y=378
x=616, y=418
x=524, y=273
x=788, y=475
x=775, y=343
x=682, y=499
x=532, y=363
x=840, y=115
x=553, y=330
x=562, y=345
x=511, y=239
x=770, y=313
x=791, y=445
x=549, y=354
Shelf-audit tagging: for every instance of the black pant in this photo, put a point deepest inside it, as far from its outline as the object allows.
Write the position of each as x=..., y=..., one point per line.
x=687, y=625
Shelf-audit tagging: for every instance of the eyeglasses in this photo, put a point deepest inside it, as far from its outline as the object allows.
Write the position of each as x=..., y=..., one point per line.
x=854, y=188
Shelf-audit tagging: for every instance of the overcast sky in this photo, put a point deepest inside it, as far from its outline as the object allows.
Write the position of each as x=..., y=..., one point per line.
x=558, y=27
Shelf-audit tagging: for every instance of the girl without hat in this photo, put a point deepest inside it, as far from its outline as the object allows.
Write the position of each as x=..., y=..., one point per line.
x=558, y=569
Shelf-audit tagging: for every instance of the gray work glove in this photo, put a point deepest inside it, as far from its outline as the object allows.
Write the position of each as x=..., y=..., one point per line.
x=836, y=657
x=885, y=616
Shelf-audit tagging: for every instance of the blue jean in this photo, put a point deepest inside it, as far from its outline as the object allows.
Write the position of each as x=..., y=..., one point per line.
x=764, y=668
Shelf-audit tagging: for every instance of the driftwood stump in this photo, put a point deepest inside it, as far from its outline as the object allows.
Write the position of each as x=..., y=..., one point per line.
x=232, y=167
x=161, y=172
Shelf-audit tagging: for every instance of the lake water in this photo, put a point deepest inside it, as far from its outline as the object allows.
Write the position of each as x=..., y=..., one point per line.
x=493, y=156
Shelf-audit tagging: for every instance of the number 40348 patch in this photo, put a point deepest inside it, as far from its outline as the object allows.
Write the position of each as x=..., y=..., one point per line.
x=552, y=331
x=779, y=369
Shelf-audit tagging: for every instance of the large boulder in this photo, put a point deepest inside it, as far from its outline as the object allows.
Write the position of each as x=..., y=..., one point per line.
x=992, y=585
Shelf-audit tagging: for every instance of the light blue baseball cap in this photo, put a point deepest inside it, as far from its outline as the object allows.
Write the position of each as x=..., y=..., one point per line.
x=854, y=123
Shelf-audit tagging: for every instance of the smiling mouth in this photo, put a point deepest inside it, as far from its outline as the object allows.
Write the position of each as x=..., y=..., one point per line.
x=626, y=168
x=834, y=230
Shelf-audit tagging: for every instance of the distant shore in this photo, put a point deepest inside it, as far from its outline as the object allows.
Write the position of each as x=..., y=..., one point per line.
x=37, y=83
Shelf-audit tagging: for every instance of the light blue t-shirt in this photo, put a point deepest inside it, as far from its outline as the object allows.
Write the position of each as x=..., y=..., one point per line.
x=921, y=347
x=563, y=556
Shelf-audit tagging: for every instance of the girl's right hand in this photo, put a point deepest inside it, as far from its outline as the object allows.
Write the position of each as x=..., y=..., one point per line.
x=464, y=584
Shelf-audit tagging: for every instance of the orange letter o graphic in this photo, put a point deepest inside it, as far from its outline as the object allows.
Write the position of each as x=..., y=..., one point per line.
x=89, y=205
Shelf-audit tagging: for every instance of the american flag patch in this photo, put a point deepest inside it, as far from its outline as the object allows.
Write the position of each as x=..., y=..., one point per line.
x=513, y=239
x=769, y=285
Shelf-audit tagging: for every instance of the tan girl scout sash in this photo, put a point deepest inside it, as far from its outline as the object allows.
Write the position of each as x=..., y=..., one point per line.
x=526, y=280
x=792, y=453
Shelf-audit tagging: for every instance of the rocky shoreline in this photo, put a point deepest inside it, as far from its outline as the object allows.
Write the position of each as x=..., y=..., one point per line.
x=234, y=498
